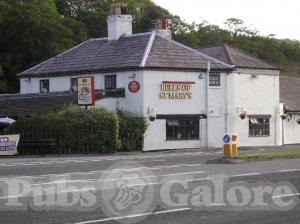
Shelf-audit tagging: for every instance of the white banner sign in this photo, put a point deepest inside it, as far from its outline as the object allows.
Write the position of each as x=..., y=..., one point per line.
x=9, y=144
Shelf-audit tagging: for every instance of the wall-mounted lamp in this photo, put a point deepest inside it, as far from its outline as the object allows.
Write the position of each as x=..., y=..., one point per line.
x=200, y=76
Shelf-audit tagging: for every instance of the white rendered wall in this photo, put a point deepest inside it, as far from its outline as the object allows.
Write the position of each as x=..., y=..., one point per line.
x=291, y=130
x=258, y=96
x=216, y=113
x=155, y=137
x=56, y=83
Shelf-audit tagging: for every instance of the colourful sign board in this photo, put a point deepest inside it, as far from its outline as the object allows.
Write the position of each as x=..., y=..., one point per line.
x=134, y=86
x=9, y=144
x=86, y=91
x=176, y=90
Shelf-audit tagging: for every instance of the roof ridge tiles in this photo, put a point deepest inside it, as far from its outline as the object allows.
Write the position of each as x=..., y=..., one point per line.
x=197, y=52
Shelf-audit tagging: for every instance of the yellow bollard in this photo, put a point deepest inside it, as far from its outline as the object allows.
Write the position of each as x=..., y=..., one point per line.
x=234, y=149
x=227, y=150
x=226, y=147
x=230, y=146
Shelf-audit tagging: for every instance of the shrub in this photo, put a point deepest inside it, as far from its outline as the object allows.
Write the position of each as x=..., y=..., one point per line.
x=132, y=130
x=96, y=127
x=75, y=130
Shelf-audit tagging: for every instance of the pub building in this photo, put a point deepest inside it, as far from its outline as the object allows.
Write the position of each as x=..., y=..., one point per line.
x=190, y=97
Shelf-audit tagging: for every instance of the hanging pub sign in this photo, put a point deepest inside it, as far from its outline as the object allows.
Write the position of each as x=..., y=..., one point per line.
x=9, y=144
x=134, y=86
x=176, y=90
x=86, y=91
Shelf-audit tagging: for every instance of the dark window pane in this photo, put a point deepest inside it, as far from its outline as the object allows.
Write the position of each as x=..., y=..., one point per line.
x=214, y=79
x=110, y=82
x=44, y=86
x=259, y=127
x=73, y=84
x=182, y=129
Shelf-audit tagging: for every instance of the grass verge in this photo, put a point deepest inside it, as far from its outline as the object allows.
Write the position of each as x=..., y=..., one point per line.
x=284, y=154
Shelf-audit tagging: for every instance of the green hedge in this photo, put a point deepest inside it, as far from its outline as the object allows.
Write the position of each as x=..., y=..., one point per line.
x=132, y=130
x=78, y=131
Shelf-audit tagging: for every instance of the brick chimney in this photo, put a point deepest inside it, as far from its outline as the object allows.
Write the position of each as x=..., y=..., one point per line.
x=162, y=27
x=119, y=22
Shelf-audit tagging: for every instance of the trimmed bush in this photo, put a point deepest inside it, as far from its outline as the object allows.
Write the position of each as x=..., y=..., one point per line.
x=78, y=131
x=75, y=130
x=132, y=130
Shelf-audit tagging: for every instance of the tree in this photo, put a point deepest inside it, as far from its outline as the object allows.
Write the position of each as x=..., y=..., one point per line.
x=30, y=31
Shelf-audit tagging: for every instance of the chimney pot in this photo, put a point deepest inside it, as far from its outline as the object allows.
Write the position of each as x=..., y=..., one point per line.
x=119, y=22
x=162, y=27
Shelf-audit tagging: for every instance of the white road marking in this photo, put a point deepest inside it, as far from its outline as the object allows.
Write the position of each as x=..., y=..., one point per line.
x=101, y=171
x=115, y=218
x=171, y=210
x=286, y=195
x=246, y=174
x=214, y=205
x=134, y=216
x=189, y=180
x=286, y=171
x=110, y=180
x=31, y=163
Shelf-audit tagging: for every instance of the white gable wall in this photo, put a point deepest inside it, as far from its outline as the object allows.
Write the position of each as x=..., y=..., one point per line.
x=257, y=96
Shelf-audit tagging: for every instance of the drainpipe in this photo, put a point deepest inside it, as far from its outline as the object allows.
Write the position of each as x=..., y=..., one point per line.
x=226, y=103
x=206, y=100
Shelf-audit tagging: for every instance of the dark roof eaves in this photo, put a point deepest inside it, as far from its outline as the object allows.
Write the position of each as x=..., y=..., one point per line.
x=262, y=68
x=82, y=72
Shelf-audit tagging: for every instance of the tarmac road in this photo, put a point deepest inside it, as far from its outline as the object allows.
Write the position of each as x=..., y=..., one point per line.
x=161, y=187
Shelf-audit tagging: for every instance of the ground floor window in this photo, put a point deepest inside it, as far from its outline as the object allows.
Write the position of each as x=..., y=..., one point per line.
x=182, y=128
x=259, y=126
x=44, y=86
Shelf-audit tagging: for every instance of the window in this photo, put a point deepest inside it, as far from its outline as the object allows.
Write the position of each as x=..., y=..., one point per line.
x=44, y=86
x=73, y=85
x=259, y=126
x=214, y=79
x=110, y=82
x=182, y=129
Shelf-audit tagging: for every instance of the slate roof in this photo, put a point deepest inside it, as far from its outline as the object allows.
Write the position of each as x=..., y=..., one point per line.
x=290, y=92
x=146, y=50
x=233, y=56
x=28, y=104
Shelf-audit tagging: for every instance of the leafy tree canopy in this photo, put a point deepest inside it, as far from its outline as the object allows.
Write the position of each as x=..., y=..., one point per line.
x=34, y=30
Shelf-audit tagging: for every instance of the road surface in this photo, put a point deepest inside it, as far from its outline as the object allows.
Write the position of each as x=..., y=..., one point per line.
x=162, y=187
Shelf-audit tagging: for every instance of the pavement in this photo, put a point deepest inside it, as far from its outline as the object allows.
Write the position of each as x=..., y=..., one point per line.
x=170, y=187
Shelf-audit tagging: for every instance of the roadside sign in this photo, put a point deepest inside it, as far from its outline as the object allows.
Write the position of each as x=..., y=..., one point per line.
x=226, y=139
x=86, y=91
x=9, y=144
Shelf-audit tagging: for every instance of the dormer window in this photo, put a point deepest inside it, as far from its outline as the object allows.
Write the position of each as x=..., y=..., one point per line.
x=44, y=86
x=73, y=88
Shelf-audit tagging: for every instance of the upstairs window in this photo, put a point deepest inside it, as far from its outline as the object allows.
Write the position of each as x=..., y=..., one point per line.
x=44, y=86
x=214, y=79
x=259, y=126
x=73, y=85
x=110, y=82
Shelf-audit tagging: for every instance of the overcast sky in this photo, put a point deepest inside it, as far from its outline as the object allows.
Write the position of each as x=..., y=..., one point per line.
x=279, y=17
